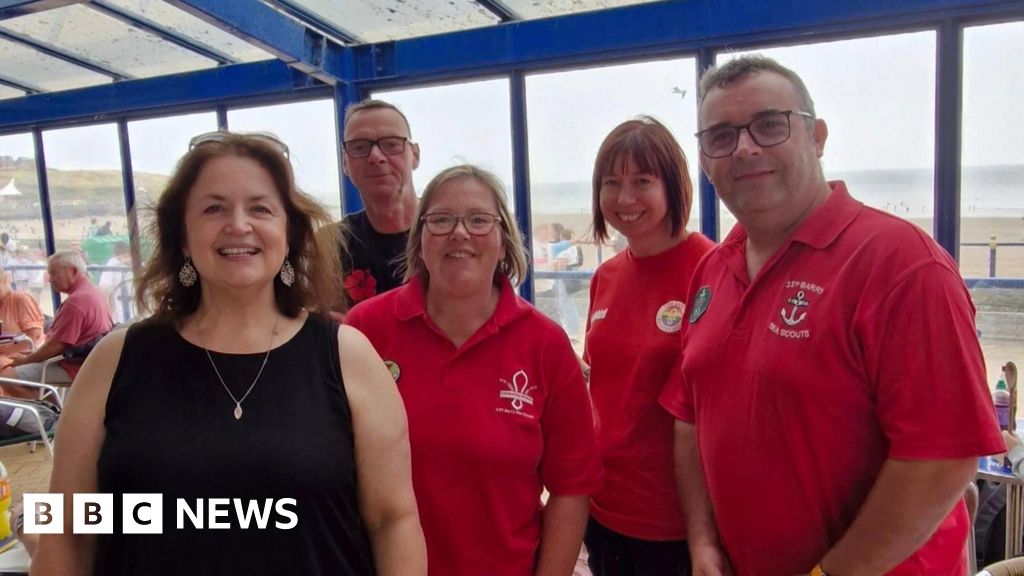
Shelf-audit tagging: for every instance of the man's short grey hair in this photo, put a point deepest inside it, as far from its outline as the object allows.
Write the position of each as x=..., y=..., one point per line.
x=69, y=259
x=739, y=68
x=373, y=104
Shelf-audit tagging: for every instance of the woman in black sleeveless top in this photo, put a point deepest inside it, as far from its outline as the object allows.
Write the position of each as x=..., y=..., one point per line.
x=277, y=440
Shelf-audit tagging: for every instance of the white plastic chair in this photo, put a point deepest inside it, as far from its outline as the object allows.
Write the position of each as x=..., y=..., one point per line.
x=31, y=408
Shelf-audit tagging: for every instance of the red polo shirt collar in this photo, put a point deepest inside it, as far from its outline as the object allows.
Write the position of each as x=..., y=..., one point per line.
x=412, y=303
x=80, y=281
x=818, y=231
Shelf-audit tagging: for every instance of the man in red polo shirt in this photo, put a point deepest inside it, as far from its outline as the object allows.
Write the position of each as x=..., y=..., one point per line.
x=83, y=317
x=833, y=403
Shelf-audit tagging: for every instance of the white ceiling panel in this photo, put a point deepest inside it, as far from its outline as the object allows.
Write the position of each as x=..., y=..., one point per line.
x=381, y=20
x=188, y=25
x=107, y=41
x=6, y=93
x=531, y=9
x=35, y=69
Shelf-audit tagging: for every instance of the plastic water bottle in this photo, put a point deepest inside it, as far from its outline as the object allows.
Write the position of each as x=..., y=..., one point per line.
x=1001, y=401
x=7, y=537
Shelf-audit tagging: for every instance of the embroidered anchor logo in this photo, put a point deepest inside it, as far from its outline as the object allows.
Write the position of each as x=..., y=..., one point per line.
x=518, y=390
x=793, y=319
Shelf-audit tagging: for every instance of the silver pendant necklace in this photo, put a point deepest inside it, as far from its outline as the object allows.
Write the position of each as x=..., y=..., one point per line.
x=238, y=401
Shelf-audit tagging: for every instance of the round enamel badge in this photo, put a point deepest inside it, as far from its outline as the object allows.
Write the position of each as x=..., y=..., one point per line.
x=670, y=316
x=396, y=372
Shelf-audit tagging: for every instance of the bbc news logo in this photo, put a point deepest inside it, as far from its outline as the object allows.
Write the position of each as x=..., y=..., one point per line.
x=144, y=514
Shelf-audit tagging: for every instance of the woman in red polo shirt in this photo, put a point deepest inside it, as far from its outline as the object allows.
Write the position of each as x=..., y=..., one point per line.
x=498, y=411
x=642, y=188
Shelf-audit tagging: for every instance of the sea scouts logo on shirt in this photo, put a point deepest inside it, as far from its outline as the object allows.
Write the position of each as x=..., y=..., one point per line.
x=795, y=310
x=396, y=372
x=700, y=304
x=517, y=393
x=670, y=316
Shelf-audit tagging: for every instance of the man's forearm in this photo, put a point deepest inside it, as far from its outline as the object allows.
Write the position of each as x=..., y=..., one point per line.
x=693, y=491
x=48, y=350
x=907, y=503
x=706, y=554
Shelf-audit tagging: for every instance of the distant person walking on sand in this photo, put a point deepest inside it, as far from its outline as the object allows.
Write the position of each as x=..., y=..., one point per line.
x=833, y=404
x=641, y=186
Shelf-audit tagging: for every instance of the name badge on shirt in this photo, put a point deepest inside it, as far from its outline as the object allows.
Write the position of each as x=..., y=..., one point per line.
x=700, y=304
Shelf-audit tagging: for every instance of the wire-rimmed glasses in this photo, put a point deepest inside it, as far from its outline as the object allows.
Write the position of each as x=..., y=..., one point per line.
x=444, y=223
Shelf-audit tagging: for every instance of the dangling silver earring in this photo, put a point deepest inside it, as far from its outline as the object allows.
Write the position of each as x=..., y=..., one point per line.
x=287, y=274
x=188, y=275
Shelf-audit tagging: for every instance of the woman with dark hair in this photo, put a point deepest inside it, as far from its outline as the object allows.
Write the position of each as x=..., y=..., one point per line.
x=497, y=406
x=641, y=188
x=236, y=389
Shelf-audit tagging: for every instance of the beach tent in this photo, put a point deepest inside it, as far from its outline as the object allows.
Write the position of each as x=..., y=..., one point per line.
x=10, y=189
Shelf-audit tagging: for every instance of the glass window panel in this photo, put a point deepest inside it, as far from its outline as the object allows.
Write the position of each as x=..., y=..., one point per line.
x=992, y=205
x=459, y=124
x=393, y=19
x=184, y=23
x=83, y=170
x=532, y=9
x=21, y=218
x=6, y=92
x=107, y=41
x=156, y=145
x=570, y=114
x=309, y=130
x=880, y=110
x=37, y=70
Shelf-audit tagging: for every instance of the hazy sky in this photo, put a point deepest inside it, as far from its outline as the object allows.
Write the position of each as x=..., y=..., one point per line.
x=876, y=94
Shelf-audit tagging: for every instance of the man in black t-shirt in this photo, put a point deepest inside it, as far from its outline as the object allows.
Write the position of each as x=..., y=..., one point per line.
x=379, y=158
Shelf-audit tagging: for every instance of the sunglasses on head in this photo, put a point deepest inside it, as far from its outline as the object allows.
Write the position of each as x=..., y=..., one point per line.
x=222, y=135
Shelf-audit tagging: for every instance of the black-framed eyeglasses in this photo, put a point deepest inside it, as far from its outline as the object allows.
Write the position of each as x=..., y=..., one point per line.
x=767, y=130
x=444, y=223
x=388, y=145
x=221, y=135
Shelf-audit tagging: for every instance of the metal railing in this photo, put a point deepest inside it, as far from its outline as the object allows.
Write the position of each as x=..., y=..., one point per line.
x=993, y=246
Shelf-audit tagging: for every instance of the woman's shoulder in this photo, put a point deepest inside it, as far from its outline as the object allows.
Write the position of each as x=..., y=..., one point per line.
x=24, y=299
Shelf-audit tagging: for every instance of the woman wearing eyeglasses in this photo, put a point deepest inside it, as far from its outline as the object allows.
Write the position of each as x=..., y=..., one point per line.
x=498, y=411
x=638, y=305
x=281, y=435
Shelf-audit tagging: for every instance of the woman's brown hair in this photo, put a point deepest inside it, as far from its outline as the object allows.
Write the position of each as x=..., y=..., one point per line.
x=652, y=148
x=312, y=244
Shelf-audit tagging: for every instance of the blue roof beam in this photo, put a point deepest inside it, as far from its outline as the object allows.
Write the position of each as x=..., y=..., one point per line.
x=192, y=90
x=315, y=21
x=15, y=8
x=167, y=34
x=62, y=55
x=668, y=27
x=257, y=23
x=500, y=9
x=19, y=85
